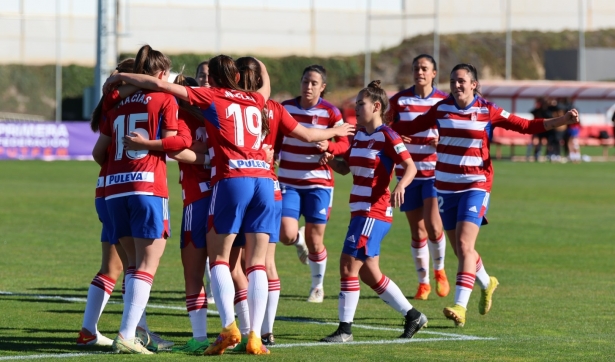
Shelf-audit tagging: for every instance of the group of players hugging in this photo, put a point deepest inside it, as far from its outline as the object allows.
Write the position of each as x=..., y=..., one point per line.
x=228, y=137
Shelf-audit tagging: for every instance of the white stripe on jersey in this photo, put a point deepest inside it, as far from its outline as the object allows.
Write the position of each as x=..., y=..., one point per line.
x=320, y=112
x=425, y=165
x=361, y=190
x=362, y=171
x=294, y=157
x=459, y=178
x=362, y=136
x=364, y=153
x=461, y=142
x=462, y=124
x=304, y=175
x=415, y=101
x=129, y=194
x=452, y=109
x=460, y=160
x=429, y=133
x=420, y=149
x=360, y=206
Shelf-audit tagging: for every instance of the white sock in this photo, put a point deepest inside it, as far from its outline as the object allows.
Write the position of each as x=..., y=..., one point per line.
x=481, y=274
x=390, y=293
x=98, y=295
x=463, y=288
x=224, y=292
x=196, y=304
x=272, y=306
x=420, y=254
x=348, y=299
x=437, y=249
x=258, y=289
x=242, y=311
x=318, y=265
x=137, y=294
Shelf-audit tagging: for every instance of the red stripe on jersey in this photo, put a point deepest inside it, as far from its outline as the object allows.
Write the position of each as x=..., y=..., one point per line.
x=195, y=179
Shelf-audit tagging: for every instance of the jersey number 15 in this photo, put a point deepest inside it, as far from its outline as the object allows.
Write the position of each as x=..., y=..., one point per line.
x=120, y=130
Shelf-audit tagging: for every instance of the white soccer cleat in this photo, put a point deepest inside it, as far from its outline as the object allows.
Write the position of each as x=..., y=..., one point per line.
x=302, y=250
x=129, y=346
x=93, y=340
x=317, y=295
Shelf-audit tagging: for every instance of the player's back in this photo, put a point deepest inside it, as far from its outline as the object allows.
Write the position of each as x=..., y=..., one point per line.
x=139, y=172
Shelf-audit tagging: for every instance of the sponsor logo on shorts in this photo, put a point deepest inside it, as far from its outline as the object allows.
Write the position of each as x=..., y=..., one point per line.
x=234, y=164
x=127, y=177
x=350, y=239
x=323, y=212
x=473, y=209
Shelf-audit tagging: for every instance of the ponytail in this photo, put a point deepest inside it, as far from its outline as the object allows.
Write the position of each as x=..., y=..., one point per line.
x=250, y=79
x=376, y=94
x=150, y=61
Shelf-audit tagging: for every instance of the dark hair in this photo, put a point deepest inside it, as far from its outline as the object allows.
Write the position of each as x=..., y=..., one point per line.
x=431, y=60
x=125, y=66
x=377, y=94
x=250, y=79
x=205, y=62
x=181, y=79
x=473, y=74
x=150, y=61
x=222, y=70
x=320, y=70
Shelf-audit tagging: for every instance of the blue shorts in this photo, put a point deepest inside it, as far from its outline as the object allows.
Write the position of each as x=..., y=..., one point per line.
x=469, y=206
x=139, y=216
x=573, y=132
x=194, y=224
x=314, y=204
x=106, y=235
x=364, y=237
x=242, y=203
x=416, y=192
x=240, y=240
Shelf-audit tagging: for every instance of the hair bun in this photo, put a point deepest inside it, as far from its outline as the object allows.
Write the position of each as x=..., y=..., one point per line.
x=374, y=84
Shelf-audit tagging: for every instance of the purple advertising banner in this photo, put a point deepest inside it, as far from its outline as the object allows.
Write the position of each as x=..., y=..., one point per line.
x=46, y=140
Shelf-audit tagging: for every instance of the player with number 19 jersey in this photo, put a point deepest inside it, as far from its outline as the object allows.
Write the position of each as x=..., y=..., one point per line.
x=139, y=172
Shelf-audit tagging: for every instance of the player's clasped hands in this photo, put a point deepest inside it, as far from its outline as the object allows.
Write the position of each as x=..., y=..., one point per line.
x=572, y=117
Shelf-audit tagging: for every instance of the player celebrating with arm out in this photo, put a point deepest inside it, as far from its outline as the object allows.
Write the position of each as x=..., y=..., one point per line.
x=421, y=204
x=136, y=189
x=374, y=152
x=464, y=174
x=307, y=186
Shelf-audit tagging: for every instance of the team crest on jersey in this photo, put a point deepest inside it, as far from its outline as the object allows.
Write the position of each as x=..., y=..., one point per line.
x=474, y=116
x=371, y=143
x=314, y=119
x=447, y=116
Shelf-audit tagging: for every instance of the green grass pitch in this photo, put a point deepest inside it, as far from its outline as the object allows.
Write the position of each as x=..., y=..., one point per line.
x=549, y=242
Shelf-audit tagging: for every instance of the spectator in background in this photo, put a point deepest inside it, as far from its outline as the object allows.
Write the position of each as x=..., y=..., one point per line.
x=540, y=139
x=556, y=136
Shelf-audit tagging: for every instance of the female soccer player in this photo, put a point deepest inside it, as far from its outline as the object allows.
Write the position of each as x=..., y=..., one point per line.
x=464, y=174
x=113, y=256
x=241, y=177
x=421, y=204
x=371, y=159
x=136, y=189
x=280, y=121
x=307, y=186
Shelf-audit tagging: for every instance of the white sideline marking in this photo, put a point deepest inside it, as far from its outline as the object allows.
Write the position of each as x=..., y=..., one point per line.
x=444, y=336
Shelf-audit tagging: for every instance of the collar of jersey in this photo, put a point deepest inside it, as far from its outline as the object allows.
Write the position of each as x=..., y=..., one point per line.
x=298, y=102
x=433, y=90
x=469, y=105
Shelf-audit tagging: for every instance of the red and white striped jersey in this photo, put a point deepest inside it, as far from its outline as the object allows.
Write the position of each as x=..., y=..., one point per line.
x=139, y=172
x=299, y=161
x=234, y=125
x=464, y=162
x=371, y=159
x=195, y=179
x=109, y=100
x=405, y=106
x=280, y=121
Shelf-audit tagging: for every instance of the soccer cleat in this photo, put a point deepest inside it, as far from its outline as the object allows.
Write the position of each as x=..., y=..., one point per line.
x=302, y=250
x=229, y=336
x=456, y=313
x=255, y=345
x=268, y=339
x=423, y=292
x=93, y=340
x=129, y=346
x=486, y=296
x=192, y=347
x=241, y=346
x=442, y=287
x=162, y=344
x=317, y=295
x=411, y=326
x=338, y=337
